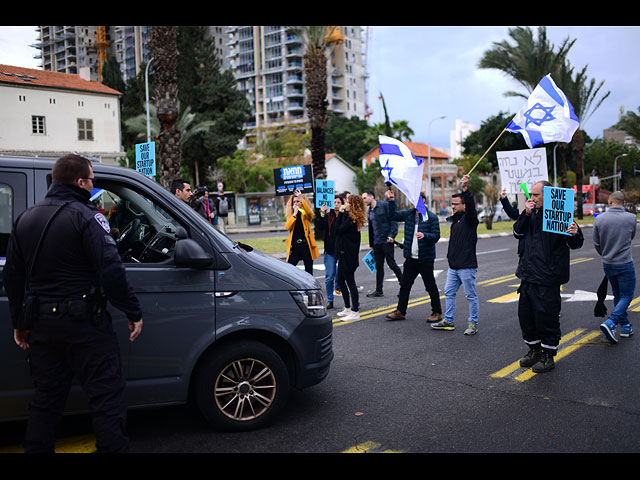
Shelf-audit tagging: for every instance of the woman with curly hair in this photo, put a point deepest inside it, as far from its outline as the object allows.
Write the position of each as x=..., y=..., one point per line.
x=301, y=244
x=350, y=220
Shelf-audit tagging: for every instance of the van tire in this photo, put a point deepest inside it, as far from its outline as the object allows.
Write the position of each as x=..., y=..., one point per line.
x=245, y=374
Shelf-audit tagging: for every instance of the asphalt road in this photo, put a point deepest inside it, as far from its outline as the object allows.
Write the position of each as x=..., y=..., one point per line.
x=404, y=387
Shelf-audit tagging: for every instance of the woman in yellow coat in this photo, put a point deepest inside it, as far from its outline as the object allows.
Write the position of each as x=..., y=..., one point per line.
x=301, y=244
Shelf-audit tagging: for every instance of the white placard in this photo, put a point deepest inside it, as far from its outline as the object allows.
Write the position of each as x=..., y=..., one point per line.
x=518, y=166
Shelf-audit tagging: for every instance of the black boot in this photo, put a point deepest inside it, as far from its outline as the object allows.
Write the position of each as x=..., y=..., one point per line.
x=533, y=356
x=545, y=364
x=329, y=305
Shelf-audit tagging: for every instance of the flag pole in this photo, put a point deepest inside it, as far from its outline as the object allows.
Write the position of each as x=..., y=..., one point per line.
x=494, y=142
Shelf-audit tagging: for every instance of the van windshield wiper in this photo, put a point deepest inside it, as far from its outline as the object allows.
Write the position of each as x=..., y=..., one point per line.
x=244, y=246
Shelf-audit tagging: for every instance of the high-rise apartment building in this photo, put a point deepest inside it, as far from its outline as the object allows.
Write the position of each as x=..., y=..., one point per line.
x=268, y=65
x=75, y=49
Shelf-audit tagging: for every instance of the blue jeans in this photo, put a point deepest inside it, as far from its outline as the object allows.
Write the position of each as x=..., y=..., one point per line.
x=623, y=283
x=330, y=263
x=467, y=278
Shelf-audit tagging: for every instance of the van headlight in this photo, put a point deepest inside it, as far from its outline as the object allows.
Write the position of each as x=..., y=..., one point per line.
x=311, y=302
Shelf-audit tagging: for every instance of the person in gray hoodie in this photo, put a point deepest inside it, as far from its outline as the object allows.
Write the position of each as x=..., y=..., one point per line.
x=613, y=232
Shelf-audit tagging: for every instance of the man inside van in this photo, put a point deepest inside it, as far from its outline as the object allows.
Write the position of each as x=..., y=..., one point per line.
x=182, y=189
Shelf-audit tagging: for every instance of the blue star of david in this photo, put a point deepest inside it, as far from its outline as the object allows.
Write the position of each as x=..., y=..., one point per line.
x=388, y=169
x=547, y=117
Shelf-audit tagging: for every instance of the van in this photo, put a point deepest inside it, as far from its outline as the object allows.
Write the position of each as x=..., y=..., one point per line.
x=225, y=326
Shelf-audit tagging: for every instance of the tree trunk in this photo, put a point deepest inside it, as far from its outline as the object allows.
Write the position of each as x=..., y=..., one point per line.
x=168, y=142
x=577, y=143
x=315, y=66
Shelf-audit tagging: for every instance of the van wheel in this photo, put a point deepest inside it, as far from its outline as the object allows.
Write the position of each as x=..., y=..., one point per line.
x=242, y=386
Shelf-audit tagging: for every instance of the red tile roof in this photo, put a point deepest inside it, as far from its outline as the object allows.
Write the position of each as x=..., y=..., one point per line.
x=44, y=78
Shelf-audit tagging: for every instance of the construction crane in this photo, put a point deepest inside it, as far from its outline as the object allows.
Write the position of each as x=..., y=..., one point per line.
x=101, y=46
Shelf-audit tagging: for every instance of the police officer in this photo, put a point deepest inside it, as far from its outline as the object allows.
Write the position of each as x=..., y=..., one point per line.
x=64, y=325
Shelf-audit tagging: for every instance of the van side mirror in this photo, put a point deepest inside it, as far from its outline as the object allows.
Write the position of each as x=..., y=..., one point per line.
x=189, y=253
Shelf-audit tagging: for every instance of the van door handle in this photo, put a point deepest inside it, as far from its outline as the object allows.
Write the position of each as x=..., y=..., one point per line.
x=225, y=294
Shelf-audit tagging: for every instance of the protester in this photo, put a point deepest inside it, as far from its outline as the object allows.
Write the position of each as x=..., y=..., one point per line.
x=327, y=223
x=542, y=269
x=461, y=255
x=509, y=209
x=62, y=319
x=420, y=237
x=351, y=218
x=221, y=204
x=613, y=232
x=382, y=234
x=301, y=244
x=204, y=205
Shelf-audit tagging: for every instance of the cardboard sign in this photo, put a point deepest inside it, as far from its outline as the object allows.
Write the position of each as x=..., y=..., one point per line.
x=325, y=193
x=370, y=262
x=146, y=158
x=557, y=210
x=522, y=166
x=289, y=179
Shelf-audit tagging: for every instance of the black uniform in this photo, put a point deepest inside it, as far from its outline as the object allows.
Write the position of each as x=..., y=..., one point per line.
x=543, y=267
x=77, y=269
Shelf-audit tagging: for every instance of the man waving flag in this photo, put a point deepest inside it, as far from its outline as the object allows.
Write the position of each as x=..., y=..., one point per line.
x=546, y=117
x=402, y=169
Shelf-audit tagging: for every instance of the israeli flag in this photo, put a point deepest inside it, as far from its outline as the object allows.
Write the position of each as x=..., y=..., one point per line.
x=402, y=169
x=546, y=117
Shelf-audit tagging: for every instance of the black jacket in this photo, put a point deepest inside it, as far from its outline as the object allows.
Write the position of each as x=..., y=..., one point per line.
x=77, y=254
x=545, y=255
x=347, y=242
x=461, y=252
x=328, y=225
x=380, y=226
x=429, y=226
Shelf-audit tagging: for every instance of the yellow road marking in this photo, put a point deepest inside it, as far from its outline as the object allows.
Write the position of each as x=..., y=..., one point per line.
x=527, y=373
x=509, y=297
x=80, y=444
x=367, y=447
x=637, y=307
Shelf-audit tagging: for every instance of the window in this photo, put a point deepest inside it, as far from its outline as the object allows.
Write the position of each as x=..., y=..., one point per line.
x=6, y=217
x=85, y=129
x=37, y=125
x=143, y=230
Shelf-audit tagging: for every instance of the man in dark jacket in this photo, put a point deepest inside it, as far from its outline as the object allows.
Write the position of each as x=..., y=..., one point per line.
x=382, y=233
x=461, y=255
x=420, y=237
x=77, y=270
x=542, y=269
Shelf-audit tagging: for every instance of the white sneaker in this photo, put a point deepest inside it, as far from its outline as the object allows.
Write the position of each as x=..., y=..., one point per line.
x=345, y=311
x=352, y=317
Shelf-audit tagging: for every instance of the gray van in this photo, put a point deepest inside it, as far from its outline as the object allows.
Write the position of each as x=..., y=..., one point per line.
x=226, y=326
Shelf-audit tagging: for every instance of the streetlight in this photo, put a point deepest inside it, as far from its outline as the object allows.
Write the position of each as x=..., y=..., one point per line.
x=615, y=170
x=429, y=164
x=146, y=88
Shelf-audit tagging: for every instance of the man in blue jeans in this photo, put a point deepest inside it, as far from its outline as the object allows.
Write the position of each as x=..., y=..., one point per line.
x=461, y=255
x=613, y=232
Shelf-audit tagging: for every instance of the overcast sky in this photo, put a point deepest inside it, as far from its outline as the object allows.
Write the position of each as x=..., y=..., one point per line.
x=425, y=72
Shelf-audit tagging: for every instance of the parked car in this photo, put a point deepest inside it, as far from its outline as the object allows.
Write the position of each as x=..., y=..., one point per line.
x=499, y=215
x=593, y=208
x=225, y=325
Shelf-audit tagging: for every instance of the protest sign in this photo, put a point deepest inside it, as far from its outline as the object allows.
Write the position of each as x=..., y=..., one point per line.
x=289, y=179
x=370, y=262
x=325, y=193
x=146, y=158
x=522, y=166
x=557, y=209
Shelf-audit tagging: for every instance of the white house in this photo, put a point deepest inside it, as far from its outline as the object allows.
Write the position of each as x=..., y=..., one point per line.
x=49, y=114
x=341, y=172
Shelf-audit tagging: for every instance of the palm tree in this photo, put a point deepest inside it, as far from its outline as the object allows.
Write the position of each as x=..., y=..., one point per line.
x=630, y=123
x=185, y=125
x=582, y=94
x=317, y=39
x=528, y=60
x=168, y=141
